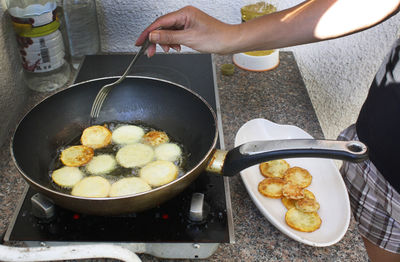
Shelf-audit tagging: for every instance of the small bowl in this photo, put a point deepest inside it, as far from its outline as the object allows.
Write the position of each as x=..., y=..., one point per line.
x=257, y=63
x=227, y=69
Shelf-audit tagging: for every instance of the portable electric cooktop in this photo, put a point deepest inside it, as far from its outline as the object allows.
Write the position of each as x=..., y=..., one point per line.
x=191, y=225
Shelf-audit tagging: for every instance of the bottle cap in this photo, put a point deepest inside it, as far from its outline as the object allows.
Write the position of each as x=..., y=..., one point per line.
x=227, y=69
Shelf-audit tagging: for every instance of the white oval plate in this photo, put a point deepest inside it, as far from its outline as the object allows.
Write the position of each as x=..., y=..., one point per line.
x=327, y=186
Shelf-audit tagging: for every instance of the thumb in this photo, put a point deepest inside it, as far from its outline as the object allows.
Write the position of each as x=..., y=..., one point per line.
x=167, y=37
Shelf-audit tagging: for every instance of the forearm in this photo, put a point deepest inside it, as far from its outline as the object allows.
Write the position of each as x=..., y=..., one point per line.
x=310, y=21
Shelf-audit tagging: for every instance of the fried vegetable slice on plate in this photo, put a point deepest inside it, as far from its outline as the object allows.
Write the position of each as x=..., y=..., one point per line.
x=76, y=155
x=274, y=168
x=135, y=155
x=127, y=134
x=302, y=221
x=101, y=164
x=289, y=203
x=159, y=172
x=155, y=138
x=128, y=186
x=298, y=176
x=309, y=194
x=96, y=137
x=168, y=151
x=307, y=205
x=92, y=186
x=271, y=187
x=67, y=176
x=292, y=191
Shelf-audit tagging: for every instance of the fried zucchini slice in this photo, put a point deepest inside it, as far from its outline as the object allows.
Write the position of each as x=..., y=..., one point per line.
x=128, y=186
x=168, y=151
x=92, y=186
x=96, y=137
x=274, y=168
x=127, y=134
x=298, y=176
x=289, y=203
x=309, y=194
x=76, y=155
x=159, y=172
x=67, y=176
x=292, y=191
x=271, y=187
x=135, y=155
x=101, y=164
x=307, y=205
x=305, y=222
x=155, y=138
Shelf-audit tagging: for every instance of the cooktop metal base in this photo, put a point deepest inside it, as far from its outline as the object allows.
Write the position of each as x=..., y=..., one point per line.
x=167, y=231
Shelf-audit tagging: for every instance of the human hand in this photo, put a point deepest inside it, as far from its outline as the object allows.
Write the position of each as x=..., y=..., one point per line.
x=190, y=27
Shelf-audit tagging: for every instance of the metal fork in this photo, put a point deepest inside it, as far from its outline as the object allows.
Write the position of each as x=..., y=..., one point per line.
x=105, y=90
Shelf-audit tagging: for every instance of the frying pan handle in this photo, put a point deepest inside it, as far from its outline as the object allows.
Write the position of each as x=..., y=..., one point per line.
x=256, y=152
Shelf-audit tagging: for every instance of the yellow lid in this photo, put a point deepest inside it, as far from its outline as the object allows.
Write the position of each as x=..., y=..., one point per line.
x=26, y=30
x=260, y=52
x=255, y=10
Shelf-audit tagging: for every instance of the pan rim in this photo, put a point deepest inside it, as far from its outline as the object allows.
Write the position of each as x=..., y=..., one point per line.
x=108, y=199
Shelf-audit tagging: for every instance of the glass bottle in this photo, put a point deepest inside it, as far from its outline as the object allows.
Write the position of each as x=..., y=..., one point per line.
x=40, y=43
x=82, y=27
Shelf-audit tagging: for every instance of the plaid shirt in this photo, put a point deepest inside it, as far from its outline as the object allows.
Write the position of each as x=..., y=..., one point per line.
x=374, y=202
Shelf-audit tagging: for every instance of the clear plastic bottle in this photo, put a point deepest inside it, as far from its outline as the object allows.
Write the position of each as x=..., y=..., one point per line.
x=82, y=27
x=40, y=43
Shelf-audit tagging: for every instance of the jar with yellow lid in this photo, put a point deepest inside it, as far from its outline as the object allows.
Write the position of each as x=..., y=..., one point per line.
x=260, y=60
x=40, y=43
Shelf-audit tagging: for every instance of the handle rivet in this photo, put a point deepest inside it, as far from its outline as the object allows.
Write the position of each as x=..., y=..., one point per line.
x=355, y=147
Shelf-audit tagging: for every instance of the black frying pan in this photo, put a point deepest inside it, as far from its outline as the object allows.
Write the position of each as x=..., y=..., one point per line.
x=184, y=115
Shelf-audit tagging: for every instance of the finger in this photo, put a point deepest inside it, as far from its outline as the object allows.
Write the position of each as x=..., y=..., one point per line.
x=177, y=48
x=165, y=48
x=151, y=50
x=142, y=37
x=168, y=37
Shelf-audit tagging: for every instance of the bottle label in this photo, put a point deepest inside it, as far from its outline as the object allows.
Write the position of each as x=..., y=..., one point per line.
x=42, y=54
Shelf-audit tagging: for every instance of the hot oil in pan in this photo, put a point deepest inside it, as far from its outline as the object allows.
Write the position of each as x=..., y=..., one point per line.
x=112, y=149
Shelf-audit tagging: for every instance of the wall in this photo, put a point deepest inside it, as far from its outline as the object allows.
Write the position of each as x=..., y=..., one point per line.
x=337, y=73
x=13, y=92
x=121, y=21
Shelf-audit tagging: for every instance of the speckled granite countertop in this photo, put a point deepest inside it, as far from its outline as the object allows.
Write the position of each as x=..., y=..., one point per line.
x=278, y=95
